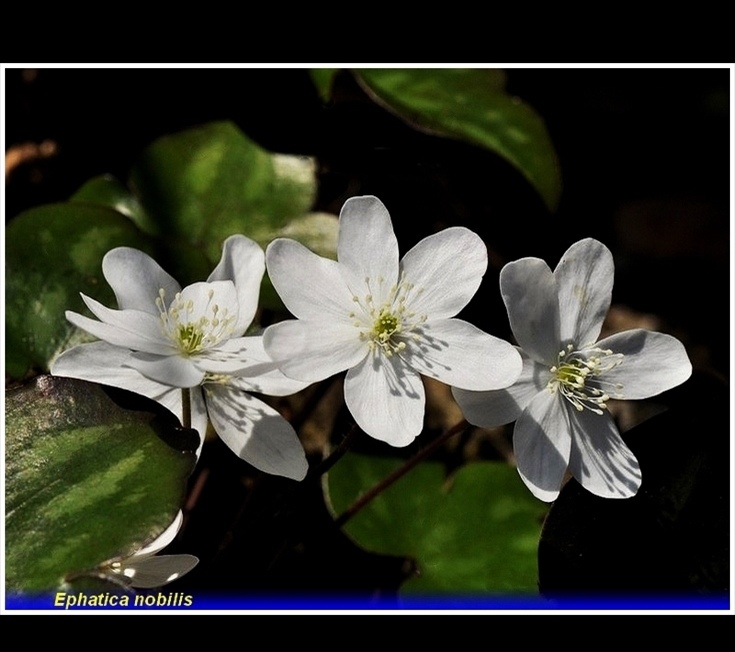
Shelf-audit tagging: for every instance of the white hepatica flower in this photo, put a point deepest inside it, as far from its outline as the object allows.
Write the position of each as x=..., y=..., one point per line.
x=146, y=569
x=164, y=339
x=559, y=402
x=384, y=321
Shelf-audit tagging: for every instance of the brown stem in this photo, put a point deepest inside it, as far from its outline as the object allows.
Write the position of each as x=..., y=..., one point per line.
x=329, y=461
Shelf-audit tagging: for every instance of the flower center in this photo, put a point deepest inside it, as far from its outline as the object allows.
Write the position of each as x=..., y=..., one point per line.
x=390, y=326
x=578, y=376
x=194, y=328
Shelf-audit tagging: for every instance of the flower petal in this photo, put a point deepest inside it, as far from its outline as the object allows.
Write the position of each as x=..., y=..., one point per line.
x=151, y=572
x=137, y=279
x=260, y=374
x=447, y=269
x=386, y=399
x=530, y=295
x=100, y=362
x=494, y=408
x=367, y=245
x=584, y=278
x=460, y=354
x=160, y=542
x=600, y=460
x=172, y=370
x=652, y=363
x=130, y=329
x=255, y=432
x=542, y=444
x=310, y=286
x=243, y=263
x=312, y=351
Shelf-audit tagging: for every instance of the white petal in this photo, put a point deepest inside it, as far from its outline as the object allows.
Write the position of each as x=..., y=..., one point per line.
x=260, y=374
x=228, y=357
x=386, y=399
x=529, y=292
x=151, y=572
x=310, y=286
x=131, y=329
x=542, y=443
x=600, y=460
x=137, y=279
x=313, y=351
x=653, y=363
x=243, y=263
x=447, y=269
x=584, y=278
x=166, y=537
x=172, y=370
x=100, y=362
x=255, y=432
x=495, y=408
x=460, y=354
x=367, y=244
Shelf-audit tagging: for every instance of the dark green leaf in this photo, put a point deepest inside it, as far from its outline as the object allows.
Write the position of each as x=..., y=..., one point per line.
x=471, y=104
x=86, y=480
x=108, y=191
x=53, y=253
x=474, y=533
x=322, y=78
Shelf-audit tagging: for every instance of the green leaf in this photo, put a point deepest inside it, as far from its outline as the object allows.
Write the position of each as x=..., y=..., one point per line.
x=53, y=253
x=322, y=78
x=107, y=191
x=471, y=104
x=474, y=533
x=204, y=184
x=86, y=479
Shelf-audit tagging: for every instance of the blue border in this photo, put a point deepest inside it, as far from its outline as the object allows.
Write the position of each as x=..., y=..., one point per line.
x=182, y=602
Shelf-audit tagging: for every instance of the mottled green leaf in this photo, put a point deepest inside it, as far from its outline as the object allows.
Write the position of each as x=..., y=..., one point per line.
x=88, y=479
x=52, y=253
x=471, y=104
x=207, y=183
x=475, y=532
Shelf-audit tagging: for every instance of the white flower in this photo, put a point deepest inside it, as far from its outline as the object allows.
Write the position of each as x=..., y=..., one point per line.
x=145, y=569
x=384, y=321
x=560, y=400
x=164, y=339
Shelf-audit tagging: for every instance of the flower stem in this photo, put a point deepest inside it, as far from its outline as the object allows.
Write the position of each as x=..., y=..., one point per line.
x=186, y=407
x=329, y=461
x=399, y=473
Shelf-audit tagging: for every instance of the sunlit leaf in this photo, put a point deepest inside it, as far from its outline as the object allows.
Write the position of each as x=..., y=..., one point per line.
x=471, y=104
x=52, y=253
x=204, y=184
x=473, y=533
x=88, y=479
